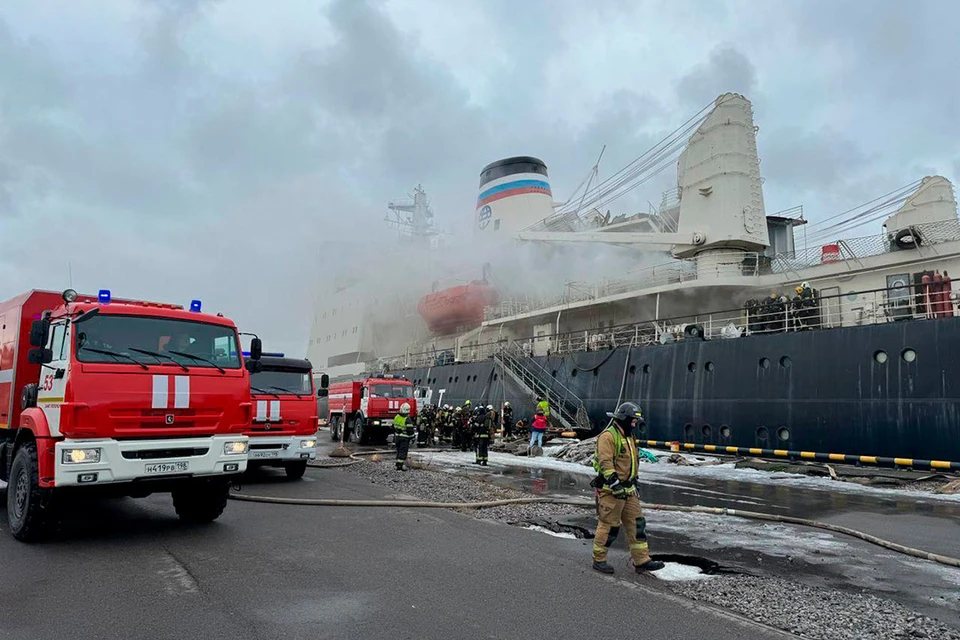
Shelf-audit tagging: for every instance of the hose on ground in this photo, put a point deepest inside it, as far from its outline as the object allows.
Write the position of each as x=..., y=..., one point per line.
x=752, y=515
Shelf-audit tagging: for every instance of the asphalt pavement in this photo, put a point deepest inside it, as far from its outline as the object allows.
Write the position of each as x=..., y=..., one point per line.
x=129, y=569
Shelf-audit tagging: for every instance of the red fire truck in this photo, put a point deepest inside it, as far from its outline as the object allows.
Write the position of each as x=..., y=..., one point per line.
x=120, y=397
x=365, y=409
x=284, y=429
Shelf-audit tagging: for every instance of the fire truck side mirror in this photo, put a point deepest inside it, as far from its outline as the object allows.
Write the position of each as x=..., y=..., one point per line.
x=323, y=393
x=256, y=348
x=324, y=381
x=253, y=366
x=39, y=332
x=39, y=355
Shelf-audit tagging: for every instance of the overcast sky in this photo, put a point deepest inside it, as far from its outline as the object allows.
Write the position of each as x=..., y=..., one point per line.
x=173, y=149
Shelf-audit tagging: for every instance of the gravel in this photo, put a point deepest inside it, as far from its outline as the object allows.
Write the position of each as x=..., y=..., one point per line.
x=814, y=612
x=447, y=487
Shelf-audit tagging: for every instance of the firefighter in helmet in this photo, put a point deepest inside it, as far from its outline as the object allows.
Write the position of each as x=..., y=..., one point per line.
x=485, y=430
x=618, y=500
x=404, y=431
x=507, y=420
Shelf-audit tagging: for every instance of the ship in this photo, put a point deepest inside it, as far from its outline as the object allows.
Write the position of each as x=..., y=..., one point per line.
x=741, y=336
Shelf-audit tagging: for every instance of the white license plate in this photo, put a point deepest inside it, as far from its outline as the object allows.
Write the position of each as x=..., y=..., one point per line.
x=264, y=454
x=166, y=467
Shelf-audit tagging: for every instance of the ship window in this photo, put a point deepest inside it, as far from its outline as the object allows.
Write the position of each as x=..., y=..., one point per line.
x=783, y=433
x=573, y=373
x=646, y=368
x=691, y=367
x=633, y=369
x=642, y=428
x=725, y=431
x=344, y=333
x=355, y=329
x=450, y=380
x=908, y=355
x=496, y=376
x=785, y=362
x=554, y=373
x=457, y=379
x=705, y=430
x=596, y=372
x=880, y=357
x=708, y=366
x=764, y=363
x=688, y=431
x=762, y=433
x=324, y=314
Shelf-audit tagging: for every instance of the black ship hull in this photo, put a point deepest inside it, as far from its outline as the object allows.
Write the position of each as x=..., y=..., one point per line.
x=885, y=390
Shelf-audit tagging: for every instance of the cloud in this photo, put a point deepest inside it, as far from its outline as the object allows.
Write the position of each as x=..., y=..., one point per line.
x=243, y=153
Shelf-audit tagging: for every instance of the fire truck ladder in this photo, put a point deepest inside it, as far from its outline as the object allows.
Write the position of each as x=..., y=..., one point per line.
x=565, y=406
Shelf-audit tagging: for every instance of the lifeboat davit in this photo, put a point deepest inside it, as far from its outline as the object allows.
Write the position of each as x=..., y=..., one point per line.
x=458, y=307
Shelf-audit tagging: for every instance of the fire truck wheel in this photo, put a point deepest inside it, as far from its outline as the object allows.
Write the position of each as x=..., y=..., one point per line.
x=295, y=470
x=359, y=428
x=201, y=501
x=334, y=430
x=30, y=509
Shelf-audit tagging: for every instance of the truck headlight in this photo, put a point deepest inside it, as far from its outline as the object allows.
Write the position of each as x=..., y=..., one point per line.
x=80, y=456
x=308, y=444
x=235, y=447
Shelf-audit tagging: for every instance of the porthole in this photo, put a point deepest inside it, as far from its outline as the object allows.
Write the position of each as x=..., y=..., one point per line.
x=646, y=368
x=785, y=362
x=708, y=366
x=762, y=433
x=573, y=373
x=908, y=355
x=691, y=367
x=764, y=363
x=642, y=428
x=554, y=373
x=706, y=430
x=496, y=376
x=596, y=372
x=450, y=380
x=633, y=369
x=880, y=357
x=725, y=432
x=688, y=431
x=457, y=379
x=783, y=433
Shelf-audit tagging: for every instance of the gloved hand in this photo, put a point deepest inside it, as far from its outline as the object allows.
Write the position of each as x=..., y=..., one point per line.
x=616, y=487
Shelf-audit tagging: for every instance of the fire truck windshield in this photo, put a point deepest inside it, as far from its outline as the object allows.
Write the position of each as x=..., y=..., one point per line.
x=392, y=391
x=282, y=381
x=102, y=338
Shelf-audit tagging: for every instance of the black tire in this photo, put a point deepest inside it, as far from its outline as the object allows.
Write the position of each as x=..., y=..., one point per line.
x=28, y=397
x=30, y=508
x=334, y=435
x=201, y=501
x=361, y=431
x=295, y=470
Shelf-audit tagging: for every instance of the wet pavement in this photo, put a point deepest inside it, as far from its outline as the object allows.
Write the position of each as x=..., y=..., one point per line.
x=812, y=556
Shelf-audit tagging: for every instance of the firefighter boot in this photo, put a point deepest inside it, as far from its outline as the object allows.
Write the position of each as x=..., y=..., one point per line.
x=400, y=465
x=604, y=567
x=649, y=565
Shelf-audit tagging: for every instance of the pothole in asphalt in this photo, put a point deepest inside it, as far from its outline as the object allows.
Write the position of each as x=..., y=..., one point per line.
x=683, y=567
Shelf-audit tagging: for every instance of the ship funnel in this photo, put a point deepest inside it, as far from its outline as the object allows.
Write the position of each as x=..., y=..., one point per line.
x=718, y=176
x=514, y=194
x=933, y=201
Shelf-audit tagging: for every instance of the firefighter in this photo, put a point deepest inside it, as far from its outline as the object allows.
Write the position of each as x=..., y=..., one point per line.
x=618, y=500
x=507, y=421
x=486, y=431
x=426, y=422
x=403, y=432
x=457, y=427
x=544, y=405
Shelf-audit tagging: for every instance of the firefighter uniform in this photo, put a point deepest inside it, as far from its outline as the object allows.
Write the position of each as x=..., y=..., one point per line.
x=507, y=421
x=485, y=431
x=618, y=502
x=403, y=432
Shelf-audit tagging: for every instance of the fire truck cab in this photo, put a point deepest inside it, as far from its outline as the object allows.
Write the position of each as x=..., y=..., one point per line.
x=365, y=409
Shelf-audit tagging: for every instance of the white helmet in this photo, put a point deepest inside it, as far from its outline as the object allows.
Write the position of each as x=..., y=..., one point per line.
x=405, y=409
x=489, y=407
x=506, y=404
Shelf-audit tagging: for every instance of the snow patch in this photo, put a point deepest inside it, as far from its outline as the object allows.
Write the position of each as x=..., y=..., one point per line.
x=555, y=534
x=674, y=571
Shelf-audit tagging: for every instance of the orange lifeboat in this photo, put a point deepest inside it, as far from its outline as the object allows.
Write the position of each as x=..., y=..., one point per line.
x=458, y=307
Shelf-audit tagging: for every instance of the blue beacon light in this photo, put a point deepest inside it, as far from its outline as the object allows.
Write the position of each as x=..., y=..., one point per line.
x=195, y=306
x=104, y=296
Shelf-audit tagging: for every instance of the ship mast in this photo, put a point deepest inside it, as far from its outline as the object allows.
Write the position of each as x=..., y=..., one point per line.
x=413, y=219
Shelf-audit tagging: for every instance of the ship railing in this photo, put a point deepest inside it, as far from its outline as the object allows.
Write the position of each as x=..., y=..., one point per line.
x=565, y=406
x=902, y=302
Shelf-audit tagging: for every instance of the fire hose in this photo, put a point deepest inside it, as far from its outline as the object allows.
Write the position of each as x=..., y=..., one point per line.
x=719, y=511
